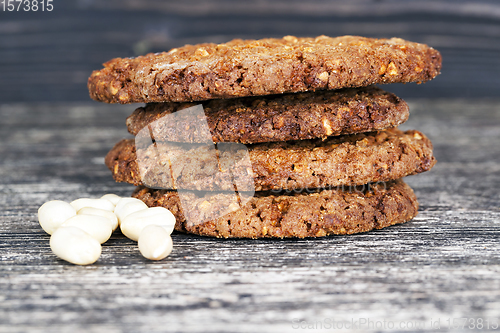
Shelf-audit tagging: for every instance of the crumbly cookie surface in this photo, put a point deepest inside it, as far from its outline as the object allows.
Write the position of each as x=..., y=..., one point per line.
x=262, y=67
x=316, y=214
x=354, y=159
x=277, y=117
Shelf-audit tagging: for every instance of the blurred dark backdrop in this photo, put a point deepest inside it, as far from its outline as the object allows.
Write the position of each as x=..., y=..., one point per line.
x=47, y=56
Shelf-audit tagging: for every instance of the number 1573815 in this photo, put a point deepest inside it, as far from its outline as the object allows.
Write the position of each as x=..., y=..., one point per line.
x=27, y=5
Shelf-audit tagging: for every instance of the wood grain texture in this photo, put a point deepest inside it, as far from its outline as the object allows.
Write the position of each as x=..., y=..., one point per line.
x=443, y=264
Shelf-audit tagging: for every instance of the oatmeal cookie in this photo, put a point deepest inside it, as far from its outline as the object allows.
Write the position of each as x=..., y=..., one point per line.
x=304, y=214
x=268, y=66
x=354, y=159
x=271, y=118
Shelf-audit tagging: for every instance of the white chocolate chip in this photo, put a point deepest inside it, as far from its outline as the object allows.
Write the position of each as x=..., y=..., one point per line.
x=127, y=206
x=96, y=203
x=111, y=197
x=54, y=213
x=75, y=245
x=155, y=242
x=133, y=224
x=100, y=212
x=96, y=226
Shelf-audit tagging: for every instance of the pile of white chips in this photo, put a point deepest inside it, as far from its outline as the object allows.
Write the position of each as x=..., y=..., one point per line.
x=79, y=228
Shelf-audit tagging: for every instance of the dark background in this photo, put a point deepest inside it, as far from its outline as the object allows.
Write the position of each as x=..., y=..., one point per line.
x=48, y=56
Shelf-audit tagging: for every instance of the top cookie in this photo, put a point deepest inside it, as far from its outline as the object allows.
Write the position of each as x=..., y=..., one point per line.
x=262, y=67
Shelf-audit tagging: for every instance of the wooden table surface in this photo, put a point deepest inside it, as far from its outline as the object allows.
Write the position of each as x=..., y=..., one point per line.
x=445, y=264
x=439, y=272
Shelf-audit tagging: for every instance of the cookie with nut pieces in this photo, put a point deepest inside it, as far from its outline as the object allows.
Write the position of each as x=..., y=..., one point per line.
x=276, y=117
x=354, y=159
x=337, y=211
x=268, y=66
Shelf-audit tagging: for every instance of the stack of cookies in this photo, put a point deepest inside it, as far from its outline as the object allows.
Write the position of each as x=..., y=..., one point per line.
x=274, y=137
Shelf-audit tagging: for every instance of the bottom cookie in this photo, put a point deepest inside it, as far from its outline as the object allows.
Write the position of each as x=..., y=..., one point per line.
x=288, y=214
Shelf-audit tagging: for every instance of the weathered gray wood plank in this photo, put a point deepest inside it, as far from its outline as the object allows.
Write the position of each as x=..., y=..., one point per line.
x=444, y=264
